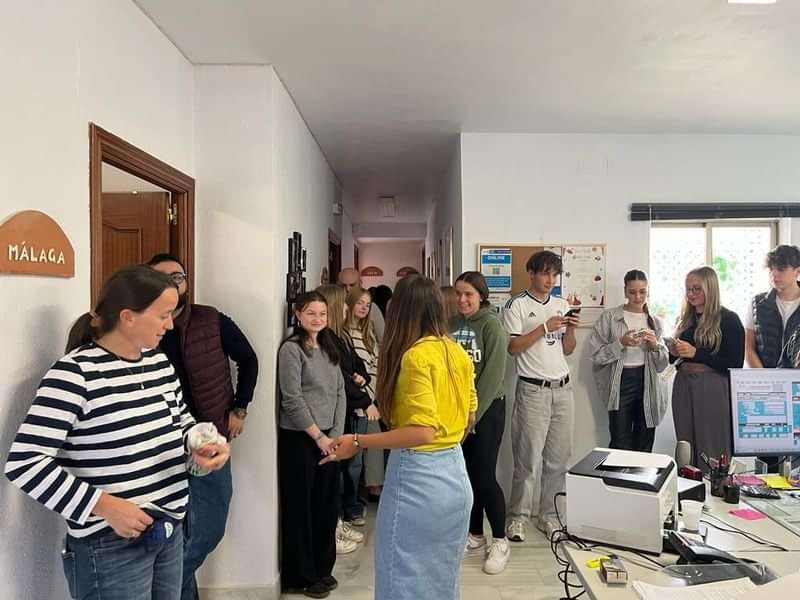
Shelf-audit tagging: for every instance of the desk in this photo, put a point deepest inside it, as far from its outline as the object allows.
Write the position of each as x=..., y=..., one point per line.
x=782, y=563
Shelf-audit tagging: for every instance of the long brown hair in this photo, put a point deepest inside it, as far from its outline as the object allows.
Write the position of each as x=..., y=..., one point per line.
x=133, y=288
x=335, y=299
x=708, y=331
x=364, y=325
x=449, y=302
x=416, y=311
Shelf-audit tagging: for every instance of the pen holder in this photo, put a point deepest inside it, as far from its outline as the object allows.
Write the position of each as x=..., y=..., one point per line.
x=718, y=481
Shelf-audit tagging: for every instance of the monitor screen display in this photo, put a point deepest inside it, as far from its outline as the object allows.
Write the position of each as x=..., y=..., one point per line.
x=765, y=410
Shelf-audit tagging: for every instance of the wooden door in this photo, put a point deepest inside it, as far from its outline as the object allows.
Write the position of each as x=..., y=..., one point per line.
x=135, y=227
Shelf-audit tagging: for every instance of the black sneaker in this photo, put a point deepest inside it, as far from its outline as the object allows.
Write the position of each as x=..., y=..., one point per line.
x=330, y=581
x=318, y=590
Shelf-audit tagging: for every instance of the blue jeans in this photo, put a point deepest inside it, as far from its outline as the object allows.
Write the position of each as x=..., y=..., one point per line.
x=351, y=475
x=423, y=519
x=209, y=501
x=108, y=567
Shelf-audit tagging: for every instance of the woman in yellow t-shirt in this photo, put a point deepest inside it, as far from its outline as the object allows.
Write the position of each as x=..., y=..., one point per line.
x=426, y=393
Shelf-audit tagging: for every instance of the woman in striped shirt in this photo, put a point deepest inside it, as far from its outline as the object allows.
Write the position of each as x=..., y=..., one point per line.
x=365, y=342
x=103, y=445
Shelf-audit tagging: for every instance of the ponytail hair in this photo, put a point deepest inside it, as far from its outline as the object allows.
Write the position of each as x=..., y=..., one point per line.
x=639, y=275
x=130, y=288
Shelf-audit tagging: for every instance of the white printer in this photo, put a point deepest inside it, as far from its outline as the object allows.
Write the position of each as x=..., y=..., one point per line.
x=622, y=498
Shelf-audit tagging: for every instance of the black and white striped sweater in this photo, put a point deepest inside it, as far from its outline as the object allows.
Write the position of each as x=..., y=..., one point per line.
x=102, y=423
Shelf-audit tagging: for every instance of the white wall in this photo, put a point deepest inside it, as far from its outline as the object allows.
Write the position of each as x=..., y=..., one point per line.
x=235, y=232
x=447, y=212
x=528, y=188
x=389, y=256
x=260, y=176
x=61, y=62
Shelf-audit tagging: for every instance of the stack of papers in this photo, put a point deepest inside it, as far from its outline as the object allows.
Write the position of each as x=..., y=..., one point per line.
x=722, y=590
x=640, y=460
x=776, y=482
x=737, y=589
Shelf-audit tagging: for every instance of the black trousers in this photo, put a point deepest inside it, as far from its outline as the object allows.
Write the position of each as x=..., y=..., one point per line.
x=309, y=504
x=627, y=426
x=480, y=454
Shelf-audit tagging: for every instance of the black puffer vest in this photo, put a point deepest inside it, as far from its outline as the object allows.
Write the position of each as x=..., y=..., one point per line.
x=206, y=364
x=771, y=336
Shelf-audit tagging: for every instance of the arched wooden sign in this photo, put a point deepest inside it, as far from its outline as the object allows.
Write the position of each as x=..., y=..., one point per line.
x=32, y=243
x=403, y=271
x=372, y=272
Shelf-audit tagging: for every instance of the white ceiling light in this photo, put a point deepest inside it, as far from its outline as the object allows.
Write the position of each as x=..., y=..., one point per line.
x=752, y=1
x=389, y=206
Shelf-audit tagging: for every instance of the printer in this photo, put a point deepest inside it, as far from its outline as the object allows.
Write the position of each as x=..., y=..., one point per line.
x=622, y=498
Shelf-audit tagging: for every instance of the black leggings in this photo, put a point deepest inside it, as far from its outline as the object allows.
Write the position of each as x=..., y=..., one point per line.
x=627, y=426
x=480, y=454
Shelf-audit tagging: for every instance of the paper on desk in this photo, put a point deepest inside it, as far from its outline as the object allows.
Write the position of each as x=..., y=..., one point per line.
x=748, y=514
x=776, y=482
x=749, y=480
x=642, y=460
x=722, y=590
x=785, y=587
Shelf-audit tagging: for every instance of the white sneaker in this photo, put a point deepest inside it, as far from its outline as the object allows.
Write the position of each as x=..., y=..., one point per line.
x=349, y=533
x=547, y=527
x=515, y=531
x=474, y=542
x=344, y=545
x=497, y=557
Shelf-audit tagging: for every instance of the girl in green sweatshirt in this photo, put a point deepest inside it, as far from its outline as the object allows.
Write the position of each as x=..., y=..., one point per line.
x=479, y=331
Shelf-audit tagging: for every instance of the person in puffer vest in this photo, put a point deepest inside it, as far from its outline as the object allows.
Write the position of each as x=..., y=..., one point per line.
x=200, y=347
x=773, y=318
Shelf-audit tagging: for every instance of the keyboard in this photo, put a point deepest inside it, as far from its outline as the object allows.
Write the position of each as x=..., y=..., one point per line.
x=760, y=491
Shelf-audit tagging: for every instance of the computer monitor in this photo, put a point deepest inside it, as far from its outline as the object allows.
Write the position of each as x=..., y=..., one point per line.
x=765, y=410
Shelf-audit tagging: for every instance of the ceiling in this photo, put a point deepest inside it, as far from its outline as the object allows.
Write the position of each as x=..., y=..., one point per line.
x=386, y=86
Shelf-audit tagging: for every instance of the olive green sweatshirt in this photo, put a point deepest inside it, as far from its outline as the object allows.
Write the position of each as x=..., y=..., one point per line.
x=486, y=341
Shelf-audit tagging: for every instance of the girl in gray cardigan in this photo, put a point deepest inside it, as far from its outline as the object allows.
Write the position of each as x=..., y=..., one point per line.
x=628, y=354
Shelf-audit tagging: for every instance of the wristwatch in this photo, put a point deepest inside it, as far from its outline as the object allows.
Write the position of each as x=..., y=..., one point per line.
x=240, y=412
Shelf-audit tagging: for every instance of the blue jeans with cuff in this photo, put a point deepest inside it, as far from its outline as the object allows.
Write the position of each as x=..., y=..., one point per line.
x=109, y=567
x=209, y=501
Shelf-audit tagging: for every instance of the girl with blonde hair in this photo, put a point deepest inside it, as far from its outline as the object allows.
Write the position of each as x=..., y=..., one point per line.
x=709, y=341
x=365, y=342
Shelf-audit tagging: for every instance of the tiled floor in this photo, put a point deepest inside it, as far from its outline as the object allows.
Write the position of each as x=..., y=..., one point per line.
x=531, y=572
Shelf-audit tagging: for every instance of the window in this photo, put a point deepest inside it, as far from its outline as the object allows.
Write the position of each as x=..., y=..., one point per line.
x=736, y=250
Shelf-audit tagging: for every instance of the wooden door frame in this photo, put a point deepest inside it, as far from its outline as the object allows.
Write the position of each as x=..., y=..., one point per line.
x=105, y=147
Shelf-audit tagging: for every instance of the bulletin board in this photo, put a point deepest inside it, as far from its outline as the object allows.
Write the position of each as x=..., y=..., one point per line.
x=584, y=274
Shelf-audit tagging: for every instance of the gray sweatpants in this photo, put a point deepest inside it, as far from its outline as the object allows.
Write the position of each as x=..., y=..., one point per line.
x=541, y=441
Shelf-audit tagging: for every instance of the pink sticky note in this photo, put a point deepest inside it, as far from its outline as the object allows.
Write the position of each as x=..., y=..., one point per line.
x=748, y=514
x=749, y=480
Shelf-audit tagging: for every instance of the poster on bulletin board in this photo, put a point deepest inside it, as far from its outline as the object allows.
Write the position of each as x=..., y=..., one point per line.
x=583, y=273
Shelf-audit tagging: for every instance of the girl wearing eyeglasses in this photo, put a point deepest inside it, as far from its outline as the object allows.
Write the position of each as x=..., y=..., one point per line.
x=709, y=341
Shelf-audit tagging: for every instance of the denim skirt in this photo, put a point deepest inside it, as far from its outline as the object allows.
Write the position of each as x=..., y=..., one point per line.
x=422, y=525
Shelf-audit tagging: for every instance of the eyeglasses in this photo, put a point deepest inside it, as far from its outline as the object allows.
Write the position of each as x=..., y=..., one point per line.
x=178, y=277
x=694, y=290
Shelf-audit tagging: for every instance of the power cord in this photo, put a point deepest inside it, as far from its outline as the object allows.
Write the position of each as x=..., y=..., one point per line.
x=733, y=529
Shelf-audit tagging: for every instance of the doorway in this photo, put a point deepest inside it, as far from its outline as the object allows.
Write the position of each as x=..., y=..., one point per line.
x=334, y=256
x=139, y=206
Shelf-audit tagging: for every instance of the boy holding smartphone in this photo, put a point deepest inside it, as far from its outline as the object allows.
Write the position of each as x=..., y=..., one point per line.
x=542, y=330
